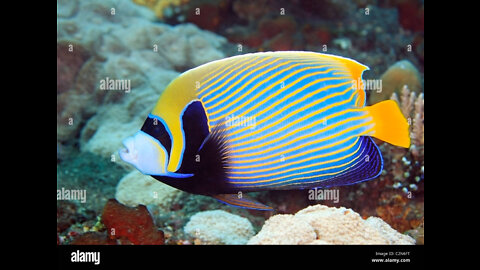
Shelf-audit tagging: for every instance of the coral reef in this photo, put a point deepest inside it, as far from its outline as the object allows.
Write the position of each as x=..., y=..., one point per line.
x=148, y=43
x=93, y=238
x=219, y=227
x=160, y=7
x=399, y=74
x=96, y=175
x=132, y=29
x=411, y=14
x=130, y=225
x=320, y=224
x=71, y=101
x=118, y=225
x=418, y=233
x=127, y=45
x=412, y=108
x=397, y=195
x=372, y=32
x=68, y=213
x=136, y=188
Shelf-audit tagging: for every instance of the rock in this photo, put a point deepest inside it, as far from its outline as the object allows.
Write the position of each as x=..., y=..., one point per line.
x=320, y=224
x=131, y=225
x=66, y=8
x=70, y=58
x=113, y=122
x=128, y=45
x=103, y=134
x=93, y=238
x=218, y=227
x=136, y=188
x=399, y=74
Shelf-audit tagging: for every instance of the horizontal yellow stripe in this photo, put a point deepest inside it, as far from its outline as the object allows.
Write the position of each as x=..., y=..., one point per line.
x=219, y=70
x=299, y=178
x=239, y=202
x=268, y=88
x=298, y=120
x=292, y=157
x=297, y=139
x=234, y=77
x=290, y=95
x=285, y=153
x=230, y=72
x=237, y=81
x=310, y=177
x=256, y=86
x=359, y=101
x=295, y=174
x=229, y=62
x=271, y=174
x=257, y=131
x=219, y=66
x=292, y=133
x=282, y=120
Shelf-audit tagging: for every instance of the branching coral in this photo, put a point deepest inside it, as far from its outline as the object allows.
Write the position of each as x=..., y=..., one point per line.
x=412, y=108
x=406, y=166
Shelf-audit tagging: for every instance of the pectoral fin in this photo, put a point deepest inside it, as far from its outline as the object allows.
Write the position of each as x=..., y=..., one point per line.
x=241, y=201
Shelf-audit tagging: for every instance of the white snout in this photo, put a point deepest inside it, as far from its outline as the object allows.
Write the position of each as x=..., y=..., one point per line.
x=145, y=153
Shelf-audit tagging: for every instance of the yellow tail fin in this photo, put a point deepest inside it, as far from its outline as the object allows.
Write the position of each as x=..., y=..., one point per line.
x=390, y=124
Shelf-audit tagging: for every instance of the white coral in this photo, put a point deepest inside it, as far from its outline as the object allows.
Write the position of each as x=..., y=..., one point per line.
x=219, y=227
x=320, y=224
x=136, y=188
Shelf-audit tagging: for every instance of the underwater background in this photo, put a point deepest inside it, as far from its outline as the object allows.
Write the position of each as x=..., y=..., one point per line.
x=103, y=200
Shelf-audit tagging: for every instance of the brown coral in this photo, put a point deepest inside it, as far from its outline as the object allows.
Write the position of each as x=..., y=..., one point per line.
x=70, y=58
x=76, y=79
x=412, y=108
x=131, y=224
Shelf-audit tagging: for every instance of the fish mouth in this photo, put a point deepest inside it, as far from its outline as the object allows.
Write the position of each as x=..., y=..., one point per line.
x=124, y=150
x=128, y=153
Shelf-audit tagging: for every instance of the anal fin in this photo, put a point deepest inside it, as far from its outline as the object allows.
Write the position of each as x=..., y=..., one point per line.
x=241, y=201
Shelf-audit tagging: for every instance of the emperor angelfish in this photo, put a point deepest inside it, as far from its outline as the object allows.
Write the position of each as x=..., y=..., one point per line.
x=265, y=121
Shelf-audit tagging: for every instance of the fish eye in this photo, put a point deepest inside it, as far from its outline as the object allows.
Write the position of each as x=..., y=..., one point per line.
x=156, y=128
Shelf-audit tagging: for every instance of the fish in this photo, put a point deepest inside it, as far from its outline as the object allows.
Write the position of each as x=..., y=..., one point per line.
x=265, y=121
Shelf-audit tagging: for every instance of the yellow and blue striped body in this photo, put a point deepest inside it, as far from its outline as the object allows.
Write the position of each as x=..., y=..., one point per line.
x=286, y=120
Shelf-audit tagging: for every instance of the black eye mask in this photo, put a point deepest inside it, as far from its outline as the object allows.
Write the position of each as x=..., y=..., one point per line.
x=157, y=130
